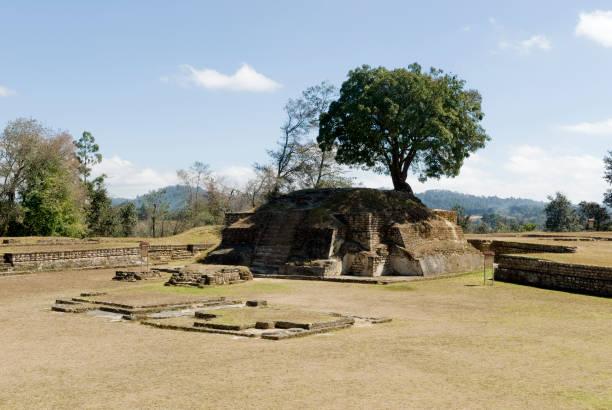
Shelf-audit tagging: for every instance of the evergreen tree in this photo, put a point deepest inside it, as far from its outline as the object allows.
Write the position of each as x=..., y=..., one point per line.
x=101, y=220
x=608, y=178
x=127, y=218
x=87, y=154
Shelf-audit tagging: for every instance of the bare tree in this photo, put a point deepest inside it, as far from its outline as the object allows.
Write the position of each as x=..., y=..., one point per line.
x=196, y=177
x=157, y=207
x=302, y=117
x=255, y=189
x=320, y=169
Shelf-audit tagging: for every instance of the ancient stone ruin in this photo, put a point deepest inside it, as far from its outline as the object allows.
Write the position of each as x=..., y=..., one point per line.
x=193, y=313
x=200, y=275
x=133, y=276
x=331, y=232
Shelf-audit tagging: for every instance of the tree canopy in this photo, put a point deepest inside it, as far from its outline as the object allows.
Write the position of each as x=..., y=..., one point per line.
x=608, y=178
x=561, y=216
x=393, y=121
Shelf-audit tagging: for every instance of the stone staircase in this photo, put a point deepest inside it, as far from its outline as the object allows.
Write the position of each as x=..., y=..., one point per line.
x=274, y=245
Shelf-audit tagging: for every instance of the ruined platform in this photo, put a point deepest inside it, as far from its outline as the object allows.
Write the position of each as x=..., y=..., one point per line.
x=133, y=276
x=200, y=275
x=255, y=318
x=345, y=232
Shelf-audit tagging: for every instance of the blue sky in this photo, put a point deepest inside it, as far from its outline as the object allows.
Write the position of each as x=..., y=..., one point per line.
x=163, y=84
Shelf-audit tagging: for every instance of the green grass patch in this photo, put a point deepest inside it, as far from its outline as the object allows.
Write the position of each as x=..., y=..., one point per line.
x=588, y=400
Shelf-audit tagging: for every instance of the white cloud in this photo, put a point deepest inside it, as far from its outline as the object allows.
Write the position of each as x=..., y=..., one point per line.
x=245, y=79
x=529, y=172
x=5, y=92
x=590, y=128
x=235, y=176
x=128, y=180
x=466, y=28
x=536, y=42
x=596, y=25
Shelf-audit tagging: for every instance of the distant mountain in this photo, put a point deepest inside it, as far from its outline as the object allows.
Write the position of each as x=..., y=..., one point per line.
x=175, y=196
x=443, y=199
x=518, y=208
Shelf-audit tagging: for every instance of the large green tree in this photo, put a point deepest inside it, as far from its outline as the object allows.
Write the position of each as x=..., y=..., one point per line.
x=393, y=121
x=40, y=191
x=19, y=152
x=592, y=210
x=53, y=196
x=561, y=216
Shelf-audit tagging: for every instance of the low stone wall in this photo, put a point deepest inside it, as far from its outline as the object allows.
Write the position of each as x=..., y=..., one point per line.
x=508, y=247
x=94, y=258
x=89, y=258
x=594, y=280
x=172, y=252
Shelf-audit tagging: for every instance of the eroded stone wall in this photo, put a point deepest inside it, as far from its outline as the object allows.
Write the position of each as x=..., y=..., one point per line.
x=596, y=280
x=450, y=216
x=92, y=258
x=509, y=247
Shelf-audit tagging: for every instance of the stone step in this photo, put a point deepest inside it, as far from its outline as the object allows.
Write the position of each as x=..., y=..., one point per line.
x=276, y=242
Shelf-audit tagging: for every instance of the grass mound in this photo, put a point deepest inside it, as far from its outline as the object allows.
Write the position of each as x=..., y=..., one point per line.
x=322, y=202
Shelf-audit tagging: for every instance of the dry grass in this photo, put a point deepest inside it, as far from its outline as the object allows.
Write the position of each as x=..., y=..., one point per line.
x=452, y=344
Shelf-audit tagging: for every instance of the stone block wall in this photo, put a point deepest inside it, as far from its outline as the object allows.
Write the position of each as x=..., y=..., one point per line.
x=268, y=240
x=450, y=216
x=239, y=236
x=364, y=228
x=412, y=235
x=595, y=280
x=89, y=258
x=221, y=275
x=311, y=244
x=93, y=258
x=508, y=247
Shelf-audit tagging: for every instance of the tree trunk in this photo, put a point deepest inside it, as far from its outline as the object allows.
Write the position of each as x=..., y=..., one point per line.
x=400, y=184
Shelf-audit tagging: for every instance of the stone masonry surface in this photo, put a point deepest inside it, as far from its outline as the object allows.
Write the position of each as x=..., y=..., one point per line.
x=595, y=280
x=109, y=257
x=505, y=247
x=331, y=232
